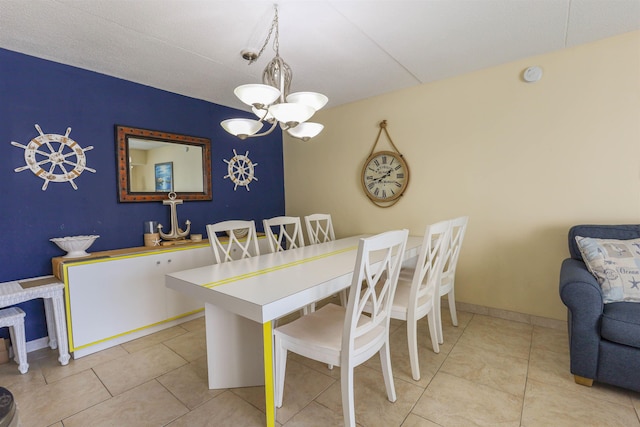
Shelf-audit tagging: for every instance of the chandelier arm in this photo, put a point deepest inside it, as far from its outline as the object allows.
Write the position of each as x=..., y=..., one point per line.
x=267, y=132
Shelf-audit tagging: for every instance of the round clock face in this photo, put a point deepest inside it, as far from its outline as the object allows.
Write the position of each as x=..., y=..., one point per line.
x=385, y=176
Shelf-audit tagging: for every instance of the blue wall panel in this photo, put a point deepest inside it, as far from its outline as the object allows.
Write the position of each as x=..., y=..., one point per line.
x=56, y=97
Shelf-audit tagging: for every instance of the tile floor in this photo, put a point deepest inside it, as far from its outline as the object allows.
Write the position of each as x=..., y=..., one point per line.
x=489, y=372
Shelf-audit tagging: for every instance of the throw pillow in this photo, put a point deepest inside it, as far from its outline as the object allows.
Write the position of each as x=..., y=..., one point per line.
x=616, y=266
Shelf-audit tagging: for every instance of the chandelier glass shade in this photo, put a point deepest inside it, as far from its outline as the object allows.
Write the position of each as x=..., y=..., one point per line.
x=272, y=103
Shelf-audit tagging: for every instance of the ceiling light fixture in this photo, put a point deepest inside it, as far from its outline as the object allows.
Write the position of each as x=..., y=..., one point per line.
x=271, y=101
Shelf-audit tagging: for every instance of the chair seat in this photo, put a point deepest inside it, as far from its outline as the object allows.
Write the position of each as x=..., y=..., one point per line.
x=324, y=329
x=401, y=301
x=621, y=323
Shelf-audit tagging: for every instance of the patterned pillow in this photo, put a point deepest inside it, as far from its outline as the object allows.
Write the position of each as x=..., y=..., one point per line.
x=616, y=266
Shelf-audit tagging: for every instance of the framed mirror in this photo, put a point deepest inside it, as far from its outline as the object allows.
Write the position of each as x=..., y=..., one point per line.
x=151, y=164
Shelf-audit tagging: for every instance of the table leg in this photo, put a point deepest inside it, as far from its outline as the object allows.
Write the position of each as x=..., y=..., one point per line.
x=51, y=323
x=61, y=327
x=234, y=349
x=267, y=336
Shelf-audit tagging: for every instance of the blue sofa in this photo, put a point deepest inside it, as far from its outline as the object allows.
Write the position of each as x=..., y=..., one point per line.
x=604, y=339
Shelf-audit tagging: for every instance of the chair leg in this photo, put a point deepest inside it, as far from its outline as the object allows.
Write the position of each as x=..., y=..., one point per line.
x=433, y=330
x=343, y=297
x=451, y=299
x=412, y=340
x=387, y=373
x=583, y=381
x=281, y=368
x=346, y=384
x=437, y=308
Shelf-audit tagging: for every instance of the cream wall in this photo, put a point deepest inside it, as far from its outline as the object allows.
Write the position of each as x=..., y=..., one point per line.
x=524, y=161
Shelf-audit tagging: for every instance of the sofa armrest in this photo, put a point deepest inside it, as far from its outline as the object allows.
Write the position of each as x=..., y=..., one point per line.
x=581, y=293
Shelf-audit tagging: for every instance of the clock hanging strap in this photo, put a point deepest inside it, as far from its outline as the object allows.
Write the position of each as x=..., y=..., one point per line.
x=383, y=127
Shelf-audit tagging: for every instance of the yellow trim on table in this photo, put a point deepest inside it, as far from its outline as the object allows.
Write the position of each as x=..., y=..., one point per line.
x=267, y=337
x=276, y=268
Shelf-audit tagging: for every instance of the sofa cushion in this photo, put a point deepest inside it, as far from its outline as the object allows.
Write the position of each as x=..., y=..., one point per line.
x=616, y=265
x=621, y=323
x=621, y=232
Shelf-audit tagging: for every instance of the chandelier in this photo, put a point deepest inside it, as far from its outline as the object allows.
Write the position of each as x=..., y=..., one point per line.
x=271, y=101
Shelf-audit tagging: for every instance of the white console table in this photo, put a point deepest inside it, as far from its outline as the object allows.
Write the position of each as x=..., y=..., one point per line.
x=51, y=291
x=120, y=295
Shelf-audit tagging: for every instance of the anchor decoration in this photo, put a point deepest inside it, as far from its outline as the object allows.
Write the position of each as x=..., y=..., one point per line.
x=176, y=233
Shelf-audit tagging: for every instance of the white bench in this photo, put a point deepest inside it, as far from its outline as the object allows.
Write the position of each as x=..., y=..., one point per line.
x=13, y=317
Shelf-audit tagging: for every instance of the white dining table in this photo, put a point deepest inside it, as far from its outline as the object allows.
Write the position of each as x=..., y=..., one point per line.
x=243, y=298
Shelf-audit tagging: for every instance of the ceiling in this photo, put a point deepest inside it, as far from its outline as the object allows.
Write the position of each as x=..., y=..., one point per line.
x=348, y=50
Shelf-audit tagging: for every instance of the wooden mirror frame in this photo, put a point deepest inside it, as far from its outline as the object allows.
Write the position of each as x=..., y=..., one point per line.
x=123, y=133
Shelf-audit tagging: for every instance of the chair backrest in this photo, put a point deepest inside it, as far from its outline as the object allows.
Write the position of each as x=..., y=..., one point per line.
x=426, y=277
x=374, y=282
x=319, y=228
x=283, y=239
x=242, y=235
x=458, y=229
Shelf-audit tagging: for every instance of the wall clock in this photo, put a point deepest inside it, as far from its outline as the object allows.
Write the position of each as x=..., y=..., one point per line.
x=385, y=174
x=54, y=158
x=240, y=170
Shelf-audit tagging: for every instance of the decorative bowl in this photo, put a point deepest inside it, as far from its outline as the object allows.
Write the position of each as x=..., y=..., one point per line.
x=239, y=233
x=75, y=246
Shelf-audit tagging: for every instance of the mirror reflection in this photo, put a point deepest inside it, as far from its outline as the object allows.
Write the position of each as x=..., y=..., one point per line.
x=153, y=163
x=162, y=166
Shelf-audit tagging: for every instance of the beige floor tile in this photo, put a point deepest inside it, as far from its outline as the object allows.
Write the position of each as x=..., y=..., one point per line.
x=190, y=383
x=130, y=371
x=224, y=410
x=503, y=336
x=51, y=403
x=314, y=364
x=189, y=346
x=149, y=404
x=301, y=386
x=415, y=421
x=253, y=395
x=53, y=371
x=487, y=367
x=153, y=339
x=316, y=415
x=553, y=369
x=429, y=361
x=453, y=401
x=194, y=324
x=549, y=339
x=547, y=405
x=11, y=378
x=372, y=407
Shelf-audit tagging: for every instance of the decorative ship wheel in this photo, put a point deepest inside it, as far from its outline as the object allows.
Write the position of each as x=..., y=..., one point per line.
x=240, y=169
x=67, y=152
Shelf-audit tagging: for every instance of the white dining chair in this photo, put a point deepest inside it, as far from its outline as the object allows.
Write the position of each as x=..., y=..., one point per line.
x=241, y=236
x=346, y=336
x=288, y=234
x=418, y=297
x=319, y=228
x=447, y=282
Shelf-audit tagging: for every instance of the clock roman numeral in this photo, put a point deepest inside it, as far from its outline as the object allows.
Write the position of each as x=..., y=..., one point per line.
x=400, y=176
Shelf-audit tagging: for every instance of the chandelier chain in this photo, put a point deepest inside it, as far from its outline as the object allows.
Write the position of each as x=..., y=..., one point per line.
x=276, y=41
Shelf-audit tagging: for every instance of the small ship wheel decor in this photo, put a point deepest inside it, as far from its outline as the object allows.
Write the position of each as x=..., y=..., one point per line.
x=240, y=170
x=54, y=158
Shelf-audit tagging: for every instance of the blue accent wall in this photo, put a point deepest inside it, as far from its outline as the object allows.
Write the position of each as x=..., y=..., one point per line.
x=55, y=96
